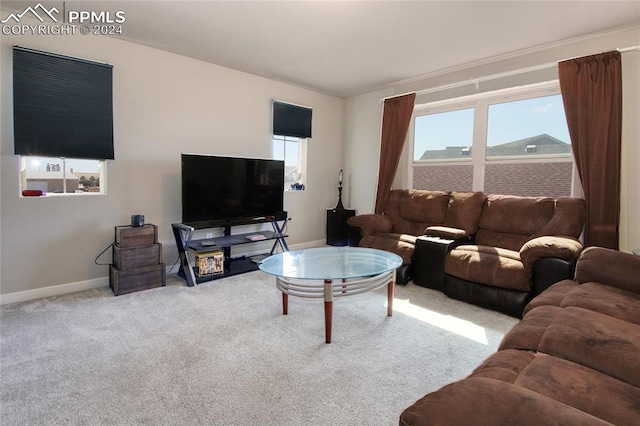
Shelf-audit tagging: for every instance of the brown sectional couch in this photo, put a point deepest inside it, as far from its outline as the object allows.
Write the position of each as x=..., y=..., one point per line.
x=573, y=359
x=502, y=249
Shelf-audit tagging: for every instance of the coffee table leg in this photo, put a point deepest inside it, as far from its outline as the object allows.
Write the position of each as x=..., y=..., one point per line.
x=390, y=290
x=328, y=309
x=285, y=303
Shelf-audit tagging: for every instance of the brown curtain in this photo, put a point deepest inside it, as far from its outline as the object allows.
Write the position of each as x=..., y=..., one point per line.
x=592, y=94
x=395, y=123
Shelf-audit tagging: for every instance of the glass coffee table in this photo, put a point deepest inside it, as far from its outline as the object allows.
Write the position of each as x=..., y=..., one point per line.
x=330, y=272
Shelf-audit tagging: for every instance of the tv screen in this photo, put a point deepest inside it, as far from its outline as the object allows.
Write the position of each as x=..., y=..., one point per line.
x=220, y=190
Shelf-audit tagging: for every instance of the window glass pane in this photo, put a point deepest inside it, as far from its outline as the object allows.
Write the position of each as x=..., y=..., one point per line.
x=444, y=136
x=289, y=149
x=291, y=161
x=61, y=175
x=278, y=148
x=530, y=127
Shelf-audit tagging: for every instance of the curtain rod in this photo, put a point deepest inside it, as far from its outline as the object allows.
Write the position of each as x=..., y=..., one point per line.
x=479, y=80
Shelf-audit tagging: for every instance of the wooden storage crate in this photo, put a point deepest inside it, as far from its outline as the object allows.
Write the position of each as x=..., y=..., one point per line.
x=136, y=236
x=136, y=279
x=136, y=257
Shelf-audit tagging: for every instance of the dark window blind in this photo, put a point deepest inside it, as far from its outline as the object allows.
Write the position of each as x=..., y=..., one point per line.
x=62, y=106
x=291, y=120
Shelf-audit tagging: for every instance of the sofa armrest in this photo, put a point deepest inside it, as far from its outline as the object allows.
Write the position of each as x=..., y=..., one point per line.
x=610, y=267
x=370, y=224
x=446, y=233
x=548, y=271
x=565, y=248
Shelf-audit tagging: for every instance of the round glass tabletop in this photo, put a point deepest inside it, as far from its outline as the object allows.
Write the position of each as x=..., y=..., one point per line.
x=329, y=263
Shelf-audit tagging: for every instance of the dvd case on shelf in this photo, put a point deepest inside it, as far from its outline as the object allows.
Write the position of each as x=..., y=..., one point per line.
x=209, y=263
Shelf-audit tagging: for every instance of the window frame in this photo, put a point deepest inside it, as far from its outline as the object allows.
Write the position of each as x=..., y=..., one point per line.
x=480, y=103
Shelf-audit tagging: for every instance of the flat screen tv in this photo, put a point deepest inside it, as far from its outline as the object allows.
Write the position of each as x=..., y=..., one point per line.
x=220, y=191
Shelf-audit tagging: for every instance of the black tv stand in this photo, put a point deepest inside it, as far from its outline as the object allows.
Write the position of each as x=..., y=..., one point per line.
x=184, y=234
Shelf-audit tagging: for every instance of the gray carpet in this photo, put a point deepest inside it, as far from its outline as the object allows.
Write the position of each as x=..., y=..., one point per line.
x=222, y=353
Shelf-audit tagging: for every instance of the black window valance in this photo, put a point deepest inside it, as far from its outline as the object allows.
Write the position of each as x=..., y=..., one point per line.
x=291, y=120
x=62, y=106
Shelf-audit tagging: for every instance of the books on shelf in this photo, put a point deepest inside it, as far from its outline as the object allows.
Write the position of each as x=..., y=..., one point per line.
x=256, y=237
x=210, y=263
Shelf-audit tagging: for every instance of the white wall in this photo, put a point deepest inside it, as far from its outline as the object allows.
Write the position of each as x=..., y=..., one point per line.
x=363, y=114
x=164, y=104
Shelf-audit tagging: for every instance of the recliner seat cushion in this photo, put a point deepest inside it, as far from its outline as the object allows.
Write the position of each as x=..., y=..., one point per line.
x=566, y=382
x=602, y=298
x=585, y=337
x=401, y=244
x=482, y=401
x=488, y=265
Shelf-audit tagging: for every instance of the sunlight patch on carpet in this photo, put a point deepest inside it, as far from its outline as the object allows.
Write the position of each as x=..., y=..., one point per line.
x=449, y=323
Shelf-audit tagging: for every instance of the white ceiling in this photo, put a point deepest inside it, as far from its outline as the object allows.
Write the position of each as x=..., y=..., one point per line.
x=346, y=48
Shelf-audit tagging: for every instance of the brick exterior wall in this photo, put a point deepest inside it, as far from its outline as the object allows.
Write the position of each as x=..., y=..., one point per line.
x=529, y=179
x=443, y=178
x=552, y=179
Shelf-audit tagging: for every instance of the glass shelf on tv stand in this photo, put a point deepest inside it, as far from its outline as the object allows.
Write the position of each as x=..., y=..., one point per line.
x=232, y=266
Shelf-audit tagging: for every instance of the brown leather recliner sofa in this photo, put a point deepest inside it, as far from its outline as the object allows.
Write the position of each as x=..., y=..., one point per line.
x=522, y=245
x=573, y=359
x=408, y=214
x=501, y=250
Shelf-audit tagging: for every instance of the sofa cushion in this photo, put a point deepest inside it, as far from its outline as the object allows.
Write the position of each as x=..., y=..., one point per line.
x=481, y=401
x=414, y=210
x=488, y=265
x=509, y=221
x=400, y=244
x=552, y=296
x=566, y=382
x=464, y=211
x=597, y=264
x=568, y=218
x=606, y=344
x=602, y=298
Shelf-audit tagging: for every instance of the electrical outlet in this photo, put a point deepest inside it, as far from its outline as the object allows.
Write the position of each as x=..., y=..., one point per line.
x=209, y=235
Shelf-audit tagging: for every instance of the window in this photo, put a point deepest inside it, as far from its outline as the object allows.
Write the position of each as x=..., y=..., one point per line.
x=291, y=130
x=293, y=152
x=62, y=109
x=513, y=141
x=53, y=175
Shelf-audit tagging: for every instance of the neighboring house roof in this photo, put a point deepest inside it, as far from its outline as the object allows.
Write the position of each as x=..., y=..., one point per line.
x=36, y=175
x=543, y=144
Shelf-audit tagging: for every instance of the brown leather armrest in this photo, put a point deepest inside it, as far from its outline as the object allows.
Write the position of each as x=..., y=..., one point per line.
x=446, y=232
x=565, y=248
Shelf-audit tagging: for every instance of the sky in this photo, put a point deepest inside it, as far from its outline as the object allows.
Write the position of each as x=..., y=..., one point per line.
x=40, y=164
x=508, y=122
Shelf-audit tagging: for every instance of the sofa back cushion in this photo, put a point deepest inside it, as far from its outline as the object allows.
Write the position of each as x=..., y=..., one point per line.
x=464, y=211
x=509, y=221
x=413, y=210
x=568, y=218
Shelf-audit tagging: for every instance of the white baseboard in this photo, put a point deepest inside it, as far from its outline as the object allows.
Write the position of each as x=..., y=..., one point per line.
x=58, y=290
